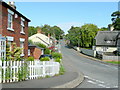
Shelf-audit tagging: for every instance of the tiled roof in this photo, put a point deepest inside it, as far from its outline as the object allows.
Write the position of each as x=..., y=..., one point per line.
x=107, y=38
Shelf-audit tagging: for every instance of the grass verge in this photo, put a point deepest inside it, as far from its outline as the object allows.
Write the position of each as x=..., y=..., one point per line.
x=113, y=62
x=62, y=70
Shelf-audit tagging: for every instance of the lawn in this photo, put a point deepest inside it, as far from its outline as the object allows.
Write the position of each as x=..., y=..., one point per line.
x=113, y=62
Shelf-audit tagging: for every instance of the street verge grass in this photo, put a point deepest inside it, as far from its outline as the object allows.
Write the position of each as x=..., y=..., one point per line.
x=62, y=70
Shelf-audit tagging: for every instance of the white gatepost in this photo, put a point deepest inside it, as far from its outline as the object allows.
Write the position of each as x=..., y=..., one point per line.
x=44, y=74
x=0, y=71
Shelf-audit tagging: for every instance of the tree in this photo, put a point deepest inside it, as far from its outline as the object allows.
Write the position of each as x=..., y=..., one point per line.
x=32, y=30
x=116, y=20
x=103, y=29
x=82, y=36
x=56, y=32
x=13, y=55
x=46, y=29
x=88, y=33
x=74, y=36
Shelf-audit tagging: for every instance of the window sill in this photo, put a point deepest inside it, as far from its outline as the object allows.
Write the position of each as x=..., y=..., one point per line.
x=22, y=32
x=10, y=29
x=22, y=55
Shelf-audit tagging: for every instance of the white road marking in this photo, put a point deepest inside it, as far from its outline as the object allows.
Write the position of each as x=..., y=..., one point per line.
x=100, y=81
x=94, y=79
x=107, y=87
x=116, y=86
x=91, y=82
x=101, y=85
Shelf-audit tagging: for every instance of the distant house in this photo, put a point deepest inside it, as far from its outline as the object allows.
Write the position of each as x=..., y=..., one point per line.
x=41, y=38
x=14, y=26
x=107, y=41
x=35, y=51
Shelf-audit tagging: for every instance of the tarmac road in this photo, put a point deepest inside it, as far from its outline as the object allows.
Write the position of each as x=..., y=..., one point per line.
x=97, y=75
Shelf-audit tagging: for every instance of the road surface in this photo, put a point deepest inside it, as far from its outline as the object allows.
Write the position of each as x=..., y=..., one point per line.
x=97, y=75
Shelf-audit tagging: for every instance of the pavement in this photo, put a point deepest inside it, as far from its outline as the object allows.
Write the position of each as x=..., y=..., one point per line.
x=95, y=59
x=68, y=80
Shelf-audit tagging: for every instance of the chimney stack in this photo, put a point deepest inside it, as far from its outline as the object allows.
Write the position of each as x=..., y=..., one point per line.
x=39, y=30
x=48, y=35
x=12, y=4
x=110, y=27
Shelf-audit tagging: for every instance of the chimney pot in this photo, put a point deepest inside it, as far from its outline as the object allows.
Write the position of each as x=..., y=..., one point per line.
x=12, y=4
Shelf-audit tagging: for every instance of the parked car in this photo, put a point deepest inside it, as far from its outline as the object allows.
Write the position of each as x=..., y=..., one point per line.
x=46, y=55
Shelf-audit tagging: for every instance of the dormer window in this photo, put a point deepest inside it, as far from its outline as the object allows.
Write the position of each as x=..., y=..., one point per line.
x=108, y=41
x=10, y=20
x=22, y=26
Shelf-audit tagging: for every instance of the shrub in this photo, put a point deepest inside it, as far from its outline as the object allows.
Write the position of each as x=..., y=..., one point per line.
x=30, y=59
x=56, y=55
x=47, y=51
x=40, y=45
x=57, y=60
x=45, y=59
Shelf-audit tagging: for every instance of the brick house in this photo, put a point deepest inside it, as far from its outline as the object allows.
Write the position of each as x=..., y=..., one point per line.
x=35, y=51
x=14, y=26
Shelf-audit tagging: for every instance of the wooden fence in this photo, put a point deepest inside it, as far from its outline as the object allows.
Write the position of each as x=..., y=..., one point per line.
x=14, y=71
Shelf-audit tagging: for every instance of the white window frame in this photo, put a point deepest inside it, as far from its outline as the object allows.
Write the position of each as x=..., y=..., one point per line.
x=22, y=40
x=10, y=45
x=28, y=52
x=22, y=26
x=11, y=13
x=10, y=40
x=2, y=48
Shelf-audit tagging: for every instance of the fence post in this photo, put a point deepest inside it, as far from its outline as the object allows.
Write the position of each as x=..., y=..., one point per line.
x=0, y=71
x=44, y=69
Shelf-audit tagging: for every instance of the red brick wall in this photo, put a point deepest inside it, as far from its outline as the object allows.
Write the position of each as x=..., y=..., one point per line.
x=37, y=53
x=17, y=28
x=31, y=51
x=0, y=18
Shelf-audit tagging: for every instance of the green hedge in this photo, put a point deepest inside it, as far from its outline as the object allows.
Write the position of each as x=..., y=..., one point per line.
x=58, y=60
x=47, y=51
x=56, y=55
x=45, y=59
x=30, y=59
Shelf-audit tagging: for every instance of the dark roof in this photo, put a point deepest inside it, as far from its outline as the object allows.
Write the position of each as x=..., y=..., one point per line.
x=14, y=10
x=107, y=38
x=31, y=45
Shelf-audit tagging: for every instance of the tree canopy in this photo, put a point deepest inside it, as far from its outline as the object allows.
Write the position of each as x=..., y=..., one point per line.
x=116, y=20
x=54, y=31
x=82, y=36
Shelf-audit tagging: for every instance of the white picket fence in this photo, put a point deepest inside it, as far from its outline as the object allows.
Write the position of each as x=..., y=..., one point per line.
x=14, y=71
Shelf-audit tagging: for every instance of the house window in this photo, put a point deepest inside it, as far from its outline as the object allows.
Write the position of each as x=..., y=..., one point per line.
x=22, y=40
x=10, y=45
x=105, y=48
x=2, y=48
x=108, y=41
x=28, y=52
x=22, y=46
x=9, y=41
x=10, y=20
x=22, y=26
